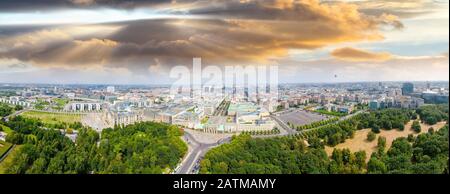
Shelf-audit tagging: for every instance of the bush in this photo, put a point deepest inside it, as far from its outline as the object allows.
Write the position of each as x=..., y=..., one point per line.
x=381, y=142
x=371, y=136
x=410, y=138
x=416, y=126
x=376, y=129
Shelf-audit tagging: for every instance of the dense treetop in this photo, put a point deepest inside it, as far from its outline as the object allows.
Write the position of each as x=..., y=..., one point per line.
x=244, y=155
x=426, y=153
x=5, y=109
x=433, y=113
x=141, y=148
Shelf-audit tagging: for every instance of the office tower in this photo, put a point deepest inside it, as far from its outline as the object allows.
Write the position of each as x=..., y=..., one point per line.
x=407, y=88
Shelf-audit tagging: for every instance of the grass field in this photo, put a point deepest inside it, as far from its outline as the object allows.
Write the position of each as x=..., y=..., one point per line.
x=60, y=103
x=337, y=114
x=359, y=141
x=5, y=129
x=8, y=159
x=4, y=147
x=53, y=118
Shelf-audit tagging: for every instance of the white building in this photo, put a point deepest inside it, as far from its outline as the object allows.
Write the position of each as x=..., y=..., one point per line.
x=110, y=89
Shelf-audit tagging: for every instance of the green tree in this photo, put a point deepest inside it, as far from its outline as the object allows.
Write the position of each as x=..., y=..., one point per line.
x=381, y=144
x=375, y=129
x=371, y=136
x=376, y=166
x=416, y=126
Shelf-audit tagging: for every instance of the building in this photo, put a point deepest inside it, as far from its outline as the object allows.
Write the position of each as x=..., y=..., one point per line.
x=241, y=108
x=2, y=136
x=14, y=100
x=407, y=88
x=105, y=119
x=83, y=106
x=110, y=89
x=222, y=124
x=435, y=97
x=373, y=105
x=408, y=102
x=345, y=109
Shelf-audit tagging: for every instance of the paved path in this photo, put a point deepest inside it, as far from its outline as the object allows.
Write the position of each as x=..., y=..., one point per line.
x=7, y=153
x=288, y=129
x=6, y=118
x=191, y=163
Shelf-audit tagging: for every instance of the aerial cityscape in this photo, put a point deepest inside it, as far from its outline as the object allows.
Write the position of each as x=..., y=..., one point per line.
x=224, y=87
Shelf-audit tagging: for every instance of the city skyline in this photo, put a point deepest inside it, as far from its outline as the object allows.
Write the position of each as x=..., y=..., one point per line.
x=138, y=42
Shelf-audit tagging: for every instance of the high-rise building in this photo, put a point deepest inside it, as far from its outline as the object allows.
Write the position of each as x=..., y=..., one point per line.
x=407, y=88
x=373, y=105
x=223, y=90
x=246, y=95
x=234, y=90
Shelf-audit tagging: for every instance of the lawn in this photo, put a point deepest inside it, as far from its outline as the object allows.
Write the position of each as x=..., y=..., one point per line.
x=8, y=159
x=5, y=128
x=60, y=103
x=53, y=118
x=359, y=141
x=332, y=113
x=4, y=147
x=41, y=104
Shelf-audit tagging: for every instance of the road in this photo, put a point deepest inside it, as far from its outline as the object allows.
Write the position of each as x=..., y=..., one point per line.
x=293, y=131
x=190, y=164
x=7, y=153
x=283, y=125
x=351, y=115
x=197, y=150
x=222, y=109
x=6, y=118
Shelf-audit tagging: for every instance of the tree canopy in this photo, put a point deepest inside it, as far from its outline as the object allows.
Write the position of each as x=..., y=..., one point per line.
x=140, y=148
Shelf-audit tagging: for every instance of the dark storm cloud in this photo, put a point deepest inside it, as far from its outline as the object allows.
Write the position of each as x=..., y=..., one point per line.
x=265, y=10
x=6, y=31
x=242, y=32
x=400, y=8
x=45, y=5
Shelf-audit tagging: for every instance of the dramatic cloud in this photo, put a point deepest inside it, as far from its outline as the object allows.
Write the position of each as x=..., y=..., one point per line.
x=45, y=5
x=62, y=46
x=263, y=31
x=400, y=8
x=153, y=36
x=352, y=54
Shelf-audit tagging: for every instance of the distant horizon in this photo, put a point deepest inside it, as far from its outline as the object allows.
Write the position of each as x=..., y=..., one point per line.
x=141, y=42
x=168, y=84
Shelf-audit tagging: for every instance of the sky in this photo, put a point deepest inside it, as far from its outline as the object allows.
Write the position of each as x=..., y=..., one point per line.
x=139, y=41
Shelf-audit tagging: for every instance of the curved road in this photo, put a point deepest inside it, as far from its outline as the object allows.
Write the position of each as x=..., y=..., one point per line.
x=190, y=164
x=197, y=150
x=6, y=118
